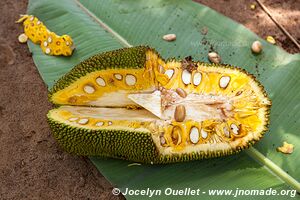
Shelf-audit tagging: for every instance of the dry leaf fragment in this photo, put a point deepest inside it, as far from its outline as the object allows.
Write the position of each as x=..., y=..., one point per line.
x=271, y=40
x=286, y=148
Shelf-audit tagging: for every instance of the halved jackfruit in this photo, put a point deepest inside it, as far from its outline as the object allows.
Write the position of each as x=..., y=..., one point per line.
x=132, y=104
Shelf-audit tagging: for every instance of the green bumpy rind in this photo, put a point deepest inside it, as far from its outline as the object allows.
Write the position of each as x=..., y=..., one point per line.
x=127, y=145
x=122, y=144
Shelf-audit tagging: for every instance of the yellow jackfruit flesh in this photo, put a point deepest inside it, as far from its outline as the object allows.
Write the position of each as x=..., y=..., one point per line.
x=132, y=104
x=50, y=43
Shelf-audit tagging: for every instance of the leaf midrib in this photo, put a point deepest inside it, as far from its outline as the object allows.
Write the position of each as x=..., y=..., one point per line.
x=251, y=152
x=122, y=40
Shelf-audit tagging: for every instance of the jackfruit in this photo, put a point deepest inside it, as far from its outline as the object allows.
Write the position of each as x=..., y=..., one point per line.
x=50, y=43
x=132, y=104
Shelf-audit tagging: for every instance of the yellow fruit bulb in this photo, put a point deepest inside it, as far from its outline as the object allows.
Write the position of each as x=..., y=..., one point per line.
x=50, y=43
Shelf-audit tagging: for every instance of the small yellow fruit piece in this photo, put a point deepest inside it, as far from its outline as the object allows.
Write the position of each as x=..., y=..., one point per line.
x=252, y=6
x=50, y=43
x=271, y=40
x=169, y=37
x=256, y=47
x=23, y=38
x=286, y=148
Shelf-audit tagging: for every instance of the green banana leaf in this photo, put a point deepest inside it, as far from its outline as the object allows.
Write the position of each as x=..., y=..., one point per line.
x=98, y=26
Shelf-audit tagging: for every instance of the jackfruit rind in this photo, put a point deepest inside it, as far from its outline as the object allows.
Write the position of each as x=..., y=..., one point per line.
x=122, y=145
x=223, y=109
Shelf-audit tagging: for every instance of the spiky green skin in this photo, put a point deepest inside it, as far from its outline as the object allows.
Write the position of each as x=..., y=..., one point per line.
x=126, y=145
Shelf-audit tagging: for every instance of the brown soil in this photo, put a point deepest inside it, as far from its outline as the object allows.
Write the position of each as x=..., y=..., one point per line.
x=287, y=13
x=32, y=165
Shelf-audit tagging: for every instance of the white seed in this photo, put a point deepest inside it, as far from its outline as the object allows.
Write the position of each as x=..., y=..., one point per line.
x=83, y=121
x=72, y=119
x=226, y=132
x=130, y=79
x=109, y=123
x=23, y=38
x=169, y=73
x=214, y=57
x=147, y=57
x=100, y=81
x=169, y=37
x=204, y=134
x=194, y=135
x=224, y=81
x=31, y=18
x=161, y=69
x=99, y=123
x=197, y=78
x=118, y=76
x=49, y=39
x=186, y=77
x=89, y=89
x=48, y=50
x=235, y=129
x=45, y=43
x=38, y=22
x=228, y=106
x=162, y=140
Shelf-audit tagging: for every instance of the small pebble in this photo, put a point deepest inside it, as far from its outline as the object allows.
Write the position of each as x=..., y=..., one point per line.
x=253, y=6
x=256, y=47
x=169, y=37
x=214, y=57
x=23, y=38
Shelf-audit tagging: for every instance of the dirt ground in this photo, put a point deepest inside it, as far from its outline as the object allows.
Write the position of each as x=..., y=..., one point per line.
x=286, y=12
x=32, y=166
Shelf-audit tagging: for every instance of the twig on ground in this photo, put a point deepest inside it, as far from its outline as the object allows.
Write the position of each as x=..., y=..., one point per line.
x=278, y=24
